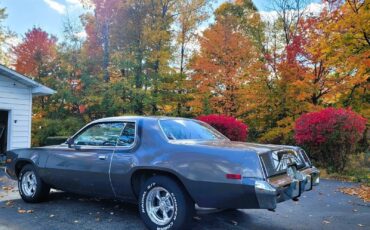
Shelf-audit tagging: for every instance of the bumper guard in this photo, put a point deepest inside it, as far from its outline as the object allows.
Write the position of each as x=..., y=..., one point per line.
x=285, y=187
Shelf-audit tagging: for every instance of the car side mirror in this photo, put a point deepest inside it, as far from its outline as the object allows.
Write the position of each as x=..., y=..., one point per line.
x=70, y=142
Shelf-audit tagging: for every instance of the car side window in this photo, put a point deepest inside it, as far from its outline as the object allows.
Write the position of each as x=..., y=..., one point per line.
x=101, y=134
x=127, y=137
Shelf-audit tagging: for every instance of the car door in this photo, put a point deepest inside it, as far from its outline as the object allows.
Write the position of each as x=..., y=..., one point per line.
x=123, y=160
x=84, y=166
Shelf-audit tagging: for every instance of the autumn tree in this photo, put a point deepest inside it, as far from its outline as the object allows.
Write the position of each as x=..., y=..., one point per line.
x=290, y=13
x=176, y=93
x=91, y=48
x=2, y=32
x=246, y=19
x=223, y=66
x=323, y=62
x=35, y=56
x=104, y=13
x=345, y=44
x=5, y=36
x=169, y=86
x=35, y=53
x=73, y=64
x=158, y=36
x=190, y=14
x=143, y=51
x=129, y=45
x=150, y=57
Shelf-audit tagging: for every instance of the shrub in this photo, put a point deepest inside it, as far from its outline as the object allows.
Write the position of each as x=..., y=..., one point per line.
x=229, y=126
x=330, y=135
x=56, y=140
x=43, y=128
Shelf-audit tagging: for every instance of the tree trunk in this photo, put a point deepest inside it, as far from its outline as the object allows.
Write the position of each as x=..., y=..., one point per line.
x=105, y=33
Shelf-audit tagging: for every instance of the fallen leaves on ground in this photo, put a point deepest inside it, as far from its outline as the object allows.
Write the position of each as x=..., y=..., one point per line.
x=326, y=222
x=361, y=191
x=7, y=188
x=9, y=203
x=22, y=211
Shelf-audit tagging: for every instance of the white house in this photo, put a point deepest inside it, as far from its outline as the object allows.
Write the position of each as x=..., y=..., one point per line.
x=16, y=92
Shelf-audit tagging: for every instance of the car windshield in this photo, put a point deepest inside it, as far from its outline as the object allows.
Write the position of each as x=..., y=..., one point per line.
x=182, y=129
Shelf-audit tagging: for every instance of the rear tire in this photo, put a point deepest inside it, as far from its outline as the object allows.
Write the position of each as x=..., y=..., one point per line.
x=31, y=188
x=164, y=204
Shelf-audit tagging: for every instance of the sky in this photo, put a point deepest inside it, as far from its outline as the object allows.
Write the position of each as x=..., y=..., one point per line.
x=50, y=14
x=47, y=14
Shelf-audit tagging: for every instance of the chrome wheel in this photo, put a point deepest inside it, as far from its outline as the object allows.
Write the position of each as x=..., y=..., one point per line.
x=160, y=206
x=29, y=183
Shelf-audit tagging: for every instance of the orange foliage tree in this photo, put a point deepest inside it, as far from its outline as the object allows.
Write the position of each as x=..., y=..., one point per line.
x=344, y=42
x=35, y=53
x=326, y=62
x=36, y=56
x=221, y=69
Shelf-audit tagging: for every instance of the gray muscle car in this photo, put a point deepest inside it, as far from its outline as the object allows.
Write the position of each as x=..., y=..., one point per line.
x=166, y=165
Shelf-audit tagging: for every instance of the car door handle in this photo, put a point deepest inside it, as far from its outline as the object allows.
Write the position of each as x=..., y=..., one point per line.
x=102, y=157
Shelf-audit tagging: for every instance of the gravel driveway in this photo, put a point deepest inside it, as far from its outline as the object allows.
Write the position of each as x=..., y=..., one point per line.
x=323, y=208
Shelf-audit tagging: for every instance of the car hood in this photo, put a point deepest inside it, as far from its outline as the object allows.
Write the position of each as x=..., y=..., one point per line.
x=259, y=148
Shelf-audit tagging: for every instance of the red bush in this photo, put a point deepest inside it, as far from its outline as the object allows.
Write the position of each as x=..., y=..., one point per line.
x=229, y=126
x=330, y=135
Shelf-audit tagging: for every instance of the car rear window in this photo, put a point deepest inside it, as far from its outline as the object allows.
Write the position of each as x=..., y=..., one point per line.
x=184, y=129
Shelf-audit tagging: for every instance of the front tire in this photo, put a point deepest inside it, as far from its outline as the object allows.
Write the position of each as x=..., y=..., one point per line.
x=164, y=204
x=31, y=188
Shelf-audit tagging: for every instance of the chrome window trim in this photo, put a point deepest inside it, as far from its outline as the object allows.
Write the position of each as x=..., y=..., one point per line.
x=303, y=153
x=263, y=167
x=135, y=138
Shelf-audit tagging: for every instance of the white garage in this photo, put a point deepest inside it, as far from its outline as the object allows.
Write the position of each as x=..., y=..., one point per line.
x=16, y=92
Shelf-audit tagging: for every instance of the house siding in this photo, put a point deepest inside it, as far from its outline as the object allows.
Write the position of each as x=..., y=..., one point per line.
x=17, y=98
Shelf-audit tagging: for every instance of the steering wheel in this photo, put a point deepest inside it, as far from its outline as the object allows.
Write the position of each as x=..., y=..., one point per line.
x=109, y=143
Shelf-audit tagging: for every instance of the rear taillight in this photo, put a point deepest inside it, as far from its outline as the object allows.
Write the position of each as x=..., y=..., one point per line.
x=234, y=176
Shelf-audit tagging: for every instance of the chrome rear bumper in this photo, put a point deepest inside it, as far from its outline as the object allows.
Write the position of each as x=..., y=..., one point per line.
x=284, y=187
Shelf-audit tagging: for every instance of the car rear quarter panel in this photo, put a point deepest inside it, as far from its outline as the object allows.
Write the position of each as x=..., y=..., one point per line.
x=202, y=169
x=34, y=156
x=203, y=173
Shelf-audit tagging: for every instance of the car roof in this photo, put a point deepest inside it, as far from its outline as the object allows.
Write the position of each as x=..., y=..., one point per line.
x=135, y=118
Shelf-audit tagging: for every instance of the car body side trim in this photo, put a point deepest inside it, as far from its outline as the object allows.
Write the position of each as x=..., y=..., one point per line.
x=109, y=174
x=110, y=164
